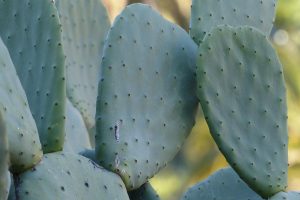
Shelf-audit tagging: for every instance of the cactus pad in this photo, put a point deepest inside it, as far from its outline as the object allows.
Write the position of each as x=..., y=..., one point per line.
x=242, y=94
x=21, y=130
x=31, y=31
x=286, y=196
x=77, y=136
x=145, y=192
x=225, y=184
x=85, y=25
x=67, y=176
x=146, y=102
x=207, y=14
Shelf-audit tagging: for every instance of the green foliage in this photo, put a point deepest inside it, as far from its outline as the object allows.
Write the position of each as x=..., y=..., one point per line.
x=146, y=103
x=223, y=185
x=31, y=31
x=288, y=14
x=85, y=25
x=242, y=94
x=69, y=176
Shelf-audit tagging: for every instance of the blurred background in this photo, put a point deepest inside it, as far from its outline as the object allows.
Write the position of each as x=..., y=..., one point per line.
x=200, y=157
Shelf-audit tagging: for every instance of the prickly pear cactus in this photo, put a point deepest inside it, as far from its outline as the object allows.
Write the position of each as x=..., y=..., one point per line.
x=242, y=94
x=21, y=130
x=286, y=196
x=69, y=176
x=77, y=137
x=207, y=14
x=85, y=25
x=145, y=192
x=146, y=103
x=31, y=31
x=225, y=184
x=4, y=162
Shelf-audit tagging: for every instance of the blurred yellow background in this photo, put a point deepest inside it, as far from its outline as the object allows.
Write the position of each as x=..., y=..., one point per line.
x=200, y=157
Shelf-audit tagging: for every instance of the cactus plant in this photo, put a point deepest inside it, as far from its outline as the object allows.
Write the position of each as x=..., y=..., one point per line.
x=39, y=61
x=69, y=176
x=146, y=103
x=85, y=25
x=242, y=94
x=207, y=14
x=225, y=184
x=147, y=79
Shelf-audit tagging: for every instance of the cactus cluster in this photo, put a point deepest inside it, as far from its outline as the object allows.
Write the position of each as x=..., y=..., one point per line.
x=90, y=111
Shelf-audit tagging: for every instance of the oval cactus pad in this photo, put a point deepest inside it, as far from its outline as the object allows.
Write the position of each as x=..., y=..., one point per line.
x=242, y=94
x=146, y=102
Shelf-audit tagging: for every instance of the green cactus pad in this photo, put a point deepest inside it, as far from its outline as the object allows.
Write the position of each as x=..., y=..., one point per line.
x=69, y=176
x=85, y=25
x=207, y=14
x=225, y=184
x=31, y=31
x=286, y=196
x=21, y=130
x=146, y=103
x=4, y=158
x=77, y=136
x=242, y=94
x=145, y=192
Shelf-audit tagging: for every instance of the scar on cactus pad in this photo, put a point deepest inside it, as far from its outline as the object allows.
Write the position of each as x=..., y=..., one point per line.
x=146, y=102
x=242, y=94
